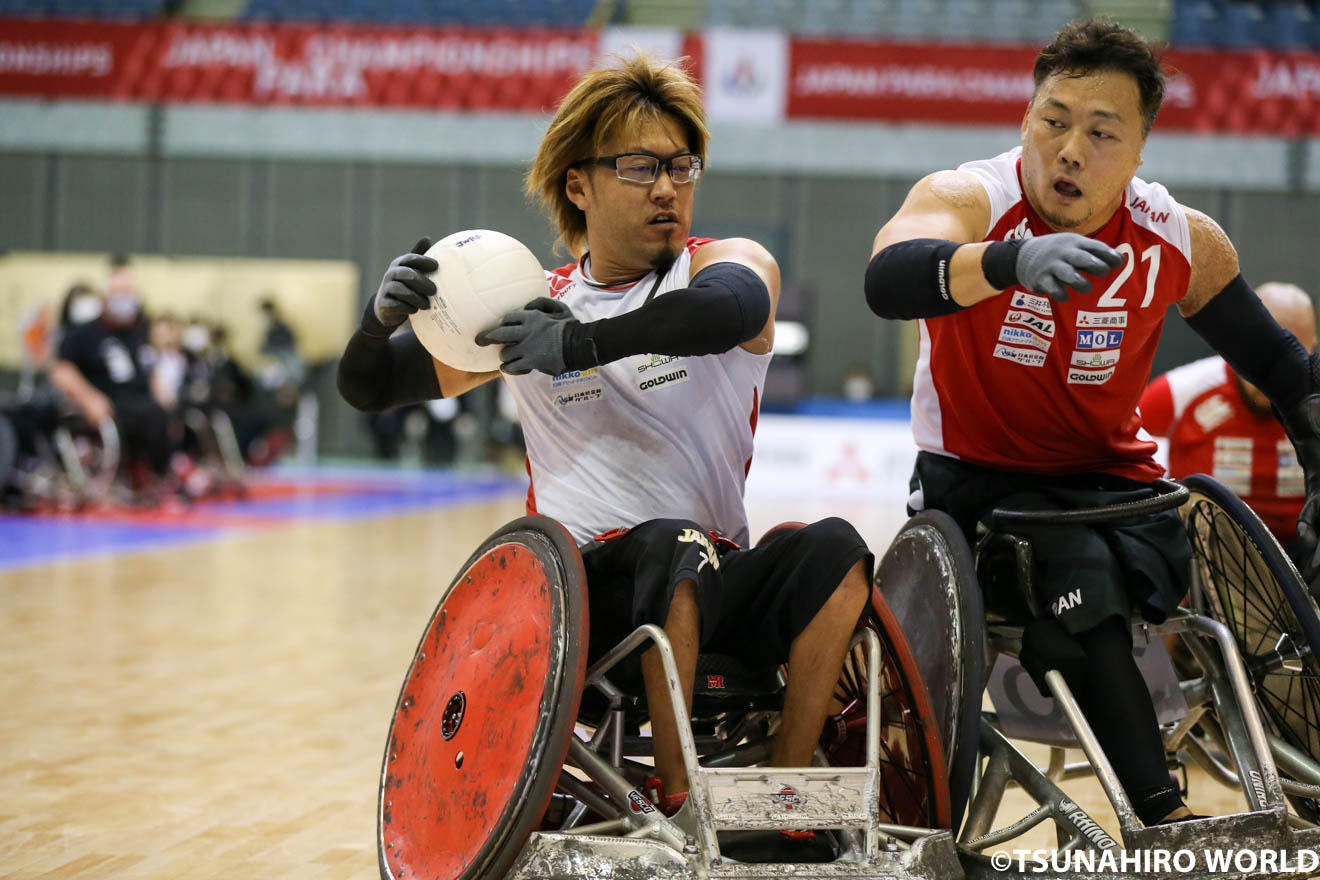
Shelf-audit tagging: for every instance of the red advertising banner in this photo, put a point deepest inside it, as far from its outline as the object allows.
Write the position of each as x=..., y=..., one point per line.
x=1249, y=92
x=457, y=68
x=1245, y=92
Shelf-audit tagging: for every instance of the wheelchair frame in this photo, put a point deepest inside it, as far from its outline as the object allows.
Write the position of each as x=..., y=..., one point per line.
x=633, y=839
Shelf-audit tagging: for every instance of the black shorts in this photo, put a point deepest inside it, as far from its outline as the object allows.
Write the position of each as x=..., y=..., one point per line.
x=752, y=602
x=1083, y=574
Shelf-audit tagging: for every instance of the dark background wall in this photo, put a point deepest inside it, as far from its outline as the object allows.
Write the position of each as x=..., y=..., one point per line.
x=819, y=227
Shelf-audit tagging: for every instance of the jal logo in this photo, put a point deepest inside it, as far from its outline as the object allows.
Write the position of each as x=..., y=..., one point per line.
x=1102, y=319
x=1035, y=322
x=1023, y=336
x=1094, y=359
x=1090, y=340
x=1038, y=304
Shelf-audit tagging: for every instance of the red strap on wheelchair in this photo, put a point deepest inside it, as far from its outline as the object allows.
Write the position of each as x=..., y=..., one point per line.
x=722, y=542
x=611, y=534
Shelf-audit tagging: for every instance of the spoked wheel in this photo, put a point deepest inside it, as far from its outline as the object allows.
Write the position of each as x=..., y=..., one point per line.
x=1253, y=588
x=928, y=578
x=914, y=783
x=483, y=721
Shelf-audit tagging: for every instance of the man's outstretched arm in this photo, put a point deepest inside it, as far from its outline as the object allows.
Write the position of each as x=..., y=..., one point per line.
x=929, y=259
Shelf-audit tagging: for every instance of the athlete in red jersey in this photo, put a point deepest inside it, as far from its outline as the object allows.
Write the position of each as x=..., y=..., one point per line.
x=1216, y=423
x=1041, y=278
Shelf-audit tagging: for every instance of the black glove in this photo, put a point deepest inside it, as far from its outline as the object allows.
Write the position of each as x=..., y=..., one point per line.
x=1302, y=422
x=533, y=337
x=404, y=289
x=1049, y=264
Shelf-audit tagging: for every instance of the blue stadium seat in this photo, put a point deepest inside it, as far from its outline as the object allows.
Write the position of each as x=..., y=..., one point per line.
x=1288, y=25
x=1195, y=23
x=1243, y=26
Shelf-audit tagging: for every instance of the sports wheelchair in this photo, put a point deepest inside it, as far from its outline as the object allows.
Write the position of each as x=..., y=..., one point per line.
x=508, y=757
x=1247, y=691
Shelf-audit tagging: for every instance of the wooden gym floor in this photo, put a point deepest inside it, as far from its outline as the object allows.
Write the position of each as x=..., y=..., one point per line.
x=212, y=701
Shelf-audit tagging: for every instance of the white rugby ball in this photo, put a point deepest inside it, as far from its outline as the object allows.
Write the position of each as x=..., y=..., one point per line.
x=483, y=275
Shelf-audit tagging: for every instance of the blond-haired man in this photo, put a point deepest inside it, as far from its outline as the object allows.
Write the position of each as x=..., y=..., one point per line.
x=638, y=381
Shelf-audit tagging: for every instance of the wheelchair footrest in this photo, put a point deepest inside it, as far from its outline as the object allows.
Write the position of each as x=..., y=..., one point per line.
x=803, y=798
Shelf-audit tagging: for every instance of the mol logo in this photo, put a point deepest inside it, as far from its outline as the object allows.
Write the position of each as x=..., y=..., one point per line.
x=1092, y=340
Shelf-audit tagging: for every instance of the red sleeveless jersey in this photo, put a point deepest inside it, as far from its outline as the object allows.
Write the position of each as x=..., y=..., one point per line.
x=1022, y=383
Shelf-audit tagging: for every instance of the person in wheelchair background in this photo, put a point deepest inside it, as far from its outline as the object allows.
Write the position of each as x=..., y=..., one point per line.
x=647, y=475
x=1218, y=423
x=103, y=367
x=1042, y=278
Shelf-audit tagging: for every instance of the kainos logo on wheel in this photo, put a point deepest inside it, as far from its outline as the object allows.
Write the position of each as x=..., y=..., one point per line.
x=788, y=798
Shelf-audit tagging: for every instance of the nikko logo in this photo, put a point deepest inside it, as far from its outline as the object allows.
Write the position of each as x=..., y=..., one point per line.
x=1091, y=340
x=1094, y=359
x=1035, y=322
x=1089, y=377
x=1027, y=356
x=1038, y=304
x=573, y=397
x=575, y=377
x=1102, y=319
x=1023, y=336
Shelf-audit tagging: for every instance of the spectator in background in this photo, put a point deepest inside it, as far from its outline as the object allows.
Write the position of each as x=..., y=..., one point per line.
x=103, y=367
x=285, y=370
x=1219, y=424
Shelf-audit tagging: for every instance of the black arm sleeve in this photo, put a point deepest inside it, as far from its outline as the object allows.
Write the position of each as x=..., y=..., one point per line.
x=378, y=374
x=726, y=305
x=1237, y=325
x=910, y=279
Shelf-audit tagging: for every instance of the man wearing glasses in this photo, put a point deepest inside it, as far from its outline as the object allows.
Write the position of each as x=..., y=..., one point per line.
x=638, y=381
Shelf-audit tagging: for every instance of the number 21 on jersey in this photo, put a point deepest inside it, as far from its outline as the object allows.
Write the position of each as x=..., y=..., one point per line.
x=1110, y=298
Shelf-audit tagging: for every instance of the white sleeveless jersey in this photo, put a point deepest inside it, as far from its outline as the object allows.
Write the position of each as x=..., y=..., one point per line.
x=645, y=437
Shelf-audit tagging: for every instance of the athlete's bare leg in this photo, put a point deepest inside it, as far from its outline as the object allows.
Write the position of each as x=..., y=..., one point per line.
x=682, y=626
x=814, y=661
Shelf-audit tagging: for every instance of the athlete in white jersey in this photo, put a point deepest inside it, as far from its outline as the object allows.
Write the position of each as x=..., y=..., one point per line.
x=638, y=378
x=644, y=437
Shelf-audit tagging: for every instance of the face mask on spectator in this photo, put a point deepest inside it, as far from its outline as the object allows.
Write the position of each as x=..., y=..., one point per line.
x=84, y=308
x=121, y=308
x=196, y=337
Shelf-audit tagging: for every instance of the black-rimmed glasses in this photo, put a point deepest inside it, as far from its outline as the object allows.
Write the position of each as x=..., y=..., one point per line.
x=645, y=167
